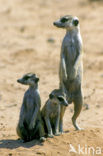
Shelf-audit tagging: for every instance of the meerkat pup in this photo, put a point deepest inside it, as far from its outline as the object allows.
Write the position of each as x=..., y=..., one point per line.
x=30, y=124
x=71, y=68
x=51, y=112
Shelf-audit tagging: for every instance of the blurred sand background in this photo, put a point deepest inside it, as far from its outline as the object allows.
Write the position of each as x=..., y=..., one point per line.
x=30, y=43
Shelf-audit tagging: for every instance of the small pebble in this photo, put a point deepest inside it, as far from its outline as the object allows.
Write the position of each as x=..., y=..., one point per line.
x=71, y=110
x=51, y=40
x=98, y=106
x=22, y=29
x=86, y=106
x=101, y=75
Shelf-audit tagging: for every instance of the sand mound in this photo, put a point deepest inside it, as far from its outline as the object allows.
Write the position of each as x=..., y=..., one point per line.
x=59, y=146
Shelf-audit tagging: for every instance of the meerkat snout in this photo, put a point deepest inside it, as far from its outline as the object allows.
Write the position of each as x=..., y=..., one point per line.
x=54, y=23
x=18, y=80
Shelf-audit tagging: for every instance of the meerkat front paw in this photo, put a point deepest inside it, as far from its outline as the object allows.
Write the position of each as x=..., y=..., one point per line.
x=73, y=74
x=32, y=125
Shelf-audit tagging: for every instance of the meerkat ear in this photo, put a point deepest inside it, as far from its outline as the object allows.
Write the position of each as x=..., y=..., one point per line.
x=51, y=96
x=37, y=79
x=75, y=22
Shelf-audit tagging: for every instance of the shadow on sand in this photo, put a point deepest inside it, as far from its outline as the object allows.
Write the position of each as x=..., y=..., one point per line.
x=13, y=144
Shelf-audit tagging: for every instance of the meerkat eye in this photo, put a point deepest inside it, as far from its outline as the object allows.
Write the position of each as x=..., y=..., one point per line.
x=26, y=77
x=64, y=19
x=60, y=99
x=75, y=22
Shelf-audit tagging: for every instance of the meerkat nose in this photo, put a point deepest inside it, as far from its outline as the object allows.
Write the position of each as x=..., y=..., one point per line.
x=18, y=80
x=66, y=104
x=54, y=23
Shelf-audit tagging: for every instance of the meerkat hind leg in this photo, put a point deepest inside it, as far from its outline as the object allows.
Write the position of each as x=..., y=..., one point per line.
x=41, y=132
x=23, y=133
x=78, y=103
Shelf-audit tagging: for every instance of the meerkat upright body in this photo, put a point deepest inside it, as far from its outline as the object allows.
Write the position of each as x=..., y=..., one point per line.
x=30, y=124
x=70, y=71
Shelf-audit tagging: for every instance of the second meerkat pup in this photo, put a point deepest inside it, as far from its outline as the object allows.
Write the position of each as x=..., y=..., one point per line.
x=51, y=112
x=71, y=68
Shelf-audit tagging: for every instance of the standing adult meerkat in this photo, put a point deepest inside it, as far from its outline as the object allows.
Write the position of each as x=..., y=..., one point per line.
x=71, y=68
x=30, y=124
x=51, y=112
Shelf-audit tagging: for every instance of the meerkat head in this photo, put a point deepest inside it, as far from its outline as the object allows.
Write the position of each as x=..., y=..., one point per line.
x=29, y=79
x=67, y=22
x=58, y=98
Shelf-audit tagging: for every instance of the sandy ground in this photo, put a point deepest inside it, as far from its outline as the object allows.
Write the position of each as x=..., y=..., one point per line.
x=25, y=32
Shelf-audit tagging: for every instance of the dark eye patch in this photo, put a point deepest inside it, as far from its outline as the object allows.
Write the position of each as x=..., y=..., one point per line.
x=26, y=77
x=64, y=19
x=60, y=99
